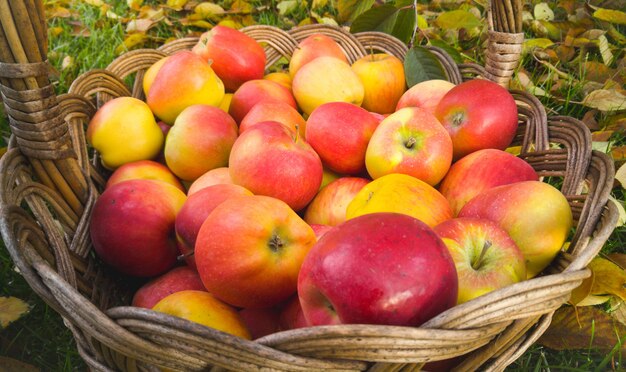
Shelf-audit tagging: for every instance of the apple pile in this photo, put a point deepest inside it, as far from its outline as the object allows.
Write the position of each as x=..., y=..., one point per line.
x=325, y=193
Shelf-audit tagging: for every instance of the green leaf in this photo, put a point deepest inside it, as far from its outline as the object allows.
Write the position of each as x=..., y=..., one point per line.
x=388, y=19
x=349, y=10
x=421, y=65
x=455, y=54
x=286, y=7
x=542, y=12
x=610, y=15
x=456, y=19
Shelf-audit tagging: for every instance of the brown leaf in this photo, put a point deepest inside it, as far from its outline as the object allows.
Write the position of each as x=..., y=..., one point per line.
x=601, y=135
x=609, y=278
x=618, y=310
x=14, y=365
x=618, y=258
x=581, y=328
x=605, y=100
x=131, y=41
x=590, y=120
x=618, y=153
x=11, y=309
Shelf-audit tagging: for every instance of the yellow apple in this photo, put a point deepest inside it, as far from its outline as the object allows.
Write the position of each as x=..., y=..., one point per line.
x=383, y=79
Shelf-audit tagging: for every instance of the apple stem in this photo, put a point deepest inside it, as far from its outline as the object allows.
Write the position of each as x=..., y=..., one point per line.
x=275, y=243
x=295, y=139
x=182, y=257
x=476, y=264
x=410, y=142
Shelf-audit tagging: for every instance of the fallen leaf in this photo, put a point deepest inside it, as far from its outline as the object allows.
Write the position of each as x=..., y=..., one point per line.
x=620, y=175
x=131, y=41
x=542, y=12
x=59, y=12
x=134, y=4
x=618, y=310
x=542, y=43
x=208, y=10
x=94, y=2
x=14, y=365
x=456, y=19
x=11, y=309
x=349, y=10
x=621, y=220
x=574, y=328
x=618, y=153
x=139, y=25
x=176, y=4
x=605, y=100
x=605, y=50
x=582, y=291
x=609, y=278
x=596, y=71
x=610, y=15
x=318, y=4
x=590, y=120
x=618, y=258
x=287, y=7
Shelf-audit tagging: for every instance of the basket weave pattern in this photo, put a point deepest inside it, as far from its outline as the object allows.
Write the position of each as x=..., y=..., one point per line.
x=49, y=243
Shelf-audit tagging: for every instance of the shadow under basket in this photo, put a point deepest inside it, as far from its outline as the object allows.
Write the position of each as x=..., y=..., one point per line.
x=49, y=243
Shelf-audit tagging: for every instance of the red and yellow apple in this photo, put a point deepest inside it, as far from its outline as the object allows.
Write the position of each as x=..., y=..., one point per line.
x=480, y=171
x=339, y=132
x=144, y=169
x=254, y=91
x=535, y=214
x=148, y=76
x=485, y=256
x=383, y=80
x=124, y=130
x=132, y=226
x=312, y=47
x=185, y=79
x=330, y=204
x=280, y=77
x=425, y=95
x=281, y=112
x=261, y=321
x=270, y=159
x=175, y=280
x=200, y=140
x=249, y=251
x=215, y=176
x=351, y=276
x=410, y=141
x=234, y=56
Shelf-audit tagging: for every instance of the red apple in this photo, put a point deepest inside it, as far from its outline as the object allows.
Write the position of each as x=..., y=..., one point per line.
x=261, y=321
x=320, y=230
x=200, y=140
x=480, y=171
x=425, y=95
x=234, y=56
x=339, y=132
x=330, y=204
x=410, y=141
x=132, y=226
x=195, y=210
x=312, y=47
x=254, y=91
x=249, y=251
x=270, y=159
x=478, y=114
x=535, y=214
x=177, y=279
x=144, y=169
x=281, y=112
x=485, y=256
x=291, y=316
x=216, y=176
x=341, y=279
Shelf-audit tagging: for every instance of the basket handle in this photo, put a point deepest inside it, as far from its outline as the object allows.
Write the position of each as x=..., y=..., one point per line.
x=35, y=117
x=504, y=45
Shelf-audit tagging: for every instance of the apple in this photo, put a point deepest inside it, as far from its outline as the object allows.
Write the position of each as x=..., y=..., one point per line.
x=329, y=176
x=401, y=193
x=330, y=204
x=261, y=321
x=234, y=56
x=254, y=91
x=535, y=214
x=312, y=47
x=351, y=276
x=291, y=316
x=485, y=256
x=270, y=159
x=383, y=80
x=225, y=104
x=410, y=141
x=425, y=94
x=280, y=77
x=339, y=132
x=278, y=111
x=324, y=80
x=320, y=230
x=195, y=210
x=185, y=79
x=203, y=308
x=144, y=169
x=215, y=176
x=480, y=171
x=200, y=140
x=132, y=226
x=149, y=75
x=175, y=280
x=123, y=130
x=478, y=114
x=249, y=251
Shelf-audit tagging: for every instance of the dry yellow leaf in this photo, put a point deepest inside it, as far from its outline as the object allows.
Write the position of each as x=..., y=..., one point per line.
x=131, y=41
x=609, y=278
x=11, y=309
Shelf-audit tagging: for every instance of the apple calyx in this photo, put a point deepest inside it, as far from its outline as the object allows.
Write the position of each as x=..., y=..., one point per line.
x=457, y=119
x=479, y=261
x=410, y=143
x=275, y=243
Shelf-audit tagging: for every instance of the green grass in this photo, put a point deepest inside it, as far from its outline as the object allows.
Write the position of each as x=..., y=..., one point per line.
x=41, y=338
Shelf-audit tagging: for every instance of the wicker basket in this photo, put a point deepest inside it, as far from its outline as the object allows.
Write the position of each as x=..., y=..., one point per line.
x=49, y=183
